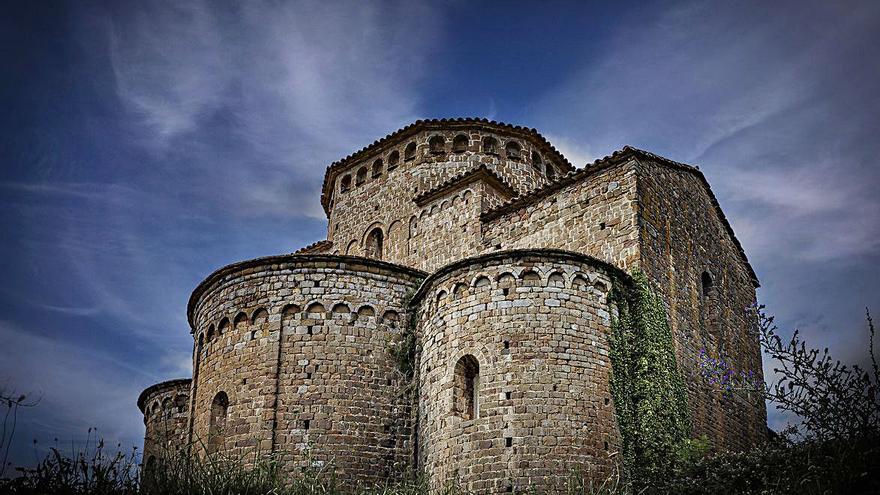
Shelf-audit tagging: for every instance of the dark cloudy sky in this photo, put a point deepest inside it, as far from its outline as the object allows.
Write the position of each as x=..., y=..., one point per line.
x=144, y=144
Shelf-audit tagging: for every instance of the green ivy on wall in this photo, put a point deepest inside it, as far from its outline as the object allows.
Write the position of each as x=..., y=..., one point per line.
x=649, y=393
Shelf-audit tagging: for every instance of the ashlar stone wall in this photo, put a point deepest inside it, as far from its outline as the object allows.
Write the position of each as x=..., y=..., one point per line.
x=383, y=197
x=534, y=325
x=595, y=216
x=306, y=372
x=166, y=419
x=682, y=238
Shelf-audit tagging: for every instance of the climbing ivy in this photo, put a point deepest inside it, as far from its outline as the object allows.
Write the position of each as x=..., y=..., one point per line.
x=649, y=393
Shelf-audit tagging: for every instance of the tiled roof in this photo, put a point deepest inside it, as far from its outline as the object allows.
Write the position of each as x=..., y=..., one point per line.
x=319, y=246
x=482, y=172
x=421, y=125
x=142, y=398
x=619, y=156
x=221, y=274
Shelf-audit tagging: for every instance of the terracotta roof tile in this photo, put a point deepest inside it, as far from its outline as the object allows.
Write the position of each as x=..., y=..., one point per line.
x=314, y=247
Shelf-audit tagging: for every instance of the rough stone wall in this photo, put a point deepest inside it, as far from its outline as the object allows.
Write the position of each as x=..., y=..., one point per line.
x=682, y=236
x=448, y=228
x=595, y=216
x=537, y=324
x=336, y=385
x=386, y=200
x=298, y=345
x=166, y=419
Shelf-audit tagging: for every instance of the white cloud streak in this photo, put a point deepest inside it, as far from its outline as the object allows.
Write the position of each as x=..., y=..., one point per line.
x=756, y=105
x=296, y=85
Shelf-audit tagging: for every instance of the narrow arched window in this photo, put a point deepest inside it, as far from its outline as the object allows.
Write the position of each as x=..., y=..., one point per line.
x=150, y=466
x=437, y=144
x=460, y=143
x=217, y=425
x=375, y=241
x=167, y=408
x=466, y=388
x=537, y=162
x=513, y=150
x=361, y=176
x=409, y=152
x=490, y=145
x=377, y=167
x=345, y=183
x=223, y=327
x=393, y=160
x=707, y=285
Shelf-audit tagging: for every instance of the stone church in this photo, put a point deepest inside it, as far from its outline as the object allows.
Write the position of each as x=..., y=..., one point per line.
x=456, y=318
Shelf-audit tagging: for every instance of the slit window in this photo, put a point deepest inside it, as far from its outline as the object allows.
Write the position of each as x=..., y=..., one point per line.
x=467, y=387
x=377, y=168
x=437, y=144
x=490, y=145
x=217, y=425
x=375, y=241
x=393, y=160
x=460, y=143
x=708, y=286
x=513, y=150
x=537, y=162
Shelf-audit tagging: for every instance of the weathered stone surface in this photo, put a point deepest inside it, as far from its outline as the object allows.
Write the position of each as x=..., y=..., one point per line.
x=505, y=257
x=166, y=418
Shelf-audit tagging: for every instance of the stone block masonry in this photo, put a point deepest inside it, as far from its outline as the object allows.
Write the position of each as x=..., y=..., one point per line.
x=480, y=240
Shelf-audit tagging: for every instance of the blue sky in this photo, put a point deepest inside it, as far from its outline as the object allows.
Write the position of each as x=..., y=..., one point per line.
x=145, y=144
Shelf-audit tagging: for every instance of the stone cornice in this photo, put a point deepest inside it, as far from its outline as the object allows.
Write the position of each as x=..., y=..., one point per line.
x=517, y=253
x=343, y=262
x=530, y=134
x=621, y=156
x=168, y=384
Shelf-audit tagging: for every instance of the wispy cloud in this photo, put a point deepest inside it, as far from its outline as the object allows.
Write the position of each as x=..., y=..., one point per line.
x=215, y=124
x=777, y=103
x=758, y=106
x=294, y=86
x=81, y=389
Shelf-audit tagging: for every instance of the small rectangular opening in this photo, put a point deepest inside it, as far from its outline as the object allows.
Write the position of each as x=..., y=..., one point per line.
x=507, y=395
x=508, y=441
x=309, y=331
x=305, y=424
x=308, y=376
x=507, y=344
x=602, y=226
